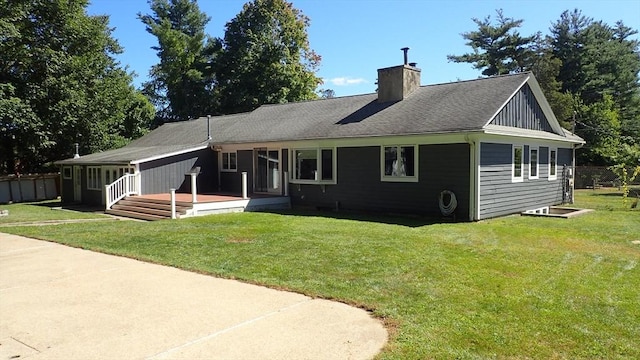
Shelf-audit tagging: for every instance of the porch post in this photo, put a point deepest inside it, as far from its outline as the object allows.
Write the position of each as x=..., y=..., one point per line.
x=173, y=203
x=244, y=185
x=194, y=190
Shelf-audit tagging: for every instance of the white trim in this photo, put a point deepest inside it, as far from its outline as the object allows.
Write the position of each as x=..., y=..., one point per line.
x=515, y=178
x=221, y=159
x=400, y=178
x=94, y=181
x=537, y=150
x=162, y=156
x=319, y=181
x=66, y=176
x=555, y=175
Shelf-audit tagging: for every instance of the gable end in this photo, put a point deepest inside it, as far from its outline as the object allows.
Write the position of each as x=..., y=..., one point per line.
x=523, y=111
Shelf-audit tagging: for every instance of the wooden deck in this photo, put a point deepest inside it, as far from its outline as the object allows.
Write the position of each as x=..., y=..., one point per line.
x=223, y=202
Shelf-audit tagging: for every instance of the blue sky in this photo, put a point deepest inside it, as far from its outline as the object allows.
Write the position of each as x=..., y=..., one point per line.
x=356, y=37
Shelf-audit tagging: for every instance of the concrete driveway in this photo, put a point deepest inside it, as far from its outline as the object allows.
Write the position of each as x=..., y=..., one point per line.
x=58, y=302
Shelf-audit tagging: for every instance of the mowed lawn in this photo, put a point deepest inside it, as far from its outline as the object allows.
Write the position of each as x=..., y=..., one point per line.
x=514, y=287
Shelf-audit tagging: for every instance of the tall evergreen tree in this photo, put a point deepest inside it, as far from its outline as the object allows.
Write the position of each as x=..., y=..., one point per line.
x=182, y=83
x=266, y=57
x=497, y=49
x=59, y=84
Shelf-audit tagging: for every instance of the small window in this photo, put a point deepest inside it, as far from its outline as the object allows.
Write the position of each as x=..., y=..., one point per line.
x=66, y=172
x=229, y=161
x=553, y=164
x=533, y=163
x=94, y=178
x=399, y=163
x=517, y=163
x=313, y=165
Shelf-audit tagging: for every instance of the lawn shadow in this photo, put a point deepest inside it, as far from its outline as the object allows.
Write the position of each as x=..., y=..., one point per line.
x=632, y=193
x=58, y=205
x=407, y=220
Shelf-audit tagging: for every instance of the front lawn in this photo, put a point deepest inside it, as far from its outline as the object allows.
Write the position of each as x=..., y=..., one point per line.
x=512, y=287
x=48, y=210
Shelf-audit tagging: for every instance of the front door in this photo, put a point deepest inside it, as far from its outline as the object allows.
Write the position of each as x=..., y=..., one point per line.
x=266, y=170
x=77, y=184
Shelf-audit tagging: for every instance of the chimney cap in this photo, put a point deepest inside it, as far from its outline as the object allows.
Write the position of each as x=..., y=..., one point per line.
x=413, y=64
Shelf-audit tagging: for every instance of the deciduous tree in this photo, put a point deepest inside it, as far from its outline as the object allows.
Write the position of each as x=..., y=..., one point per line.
x=60, y=84
x=266, y=57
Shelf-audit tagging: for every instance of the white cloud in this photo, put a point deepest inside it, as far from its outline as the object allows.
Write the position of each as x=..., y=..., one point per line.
x=346, y=81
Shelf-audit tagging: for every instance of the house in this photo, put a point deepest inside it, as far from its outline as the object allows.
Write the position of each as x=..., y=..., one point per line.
x=476, y=149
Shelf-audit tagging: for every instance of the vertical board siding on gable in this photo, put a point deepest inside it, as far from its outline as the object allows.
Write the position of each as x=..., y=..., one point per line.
x=442, y=167
x=523, y=111
x=159, y=176
x=500, y=196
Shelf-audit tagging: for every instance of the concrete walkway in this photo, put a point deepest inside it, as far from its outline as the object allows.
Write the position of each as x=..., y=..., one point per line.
x=58, y=302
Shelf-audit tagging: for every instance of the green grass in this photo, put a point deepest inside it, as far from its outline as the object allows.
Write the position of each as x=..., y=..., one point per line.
x=42, y=211
x=513, y=287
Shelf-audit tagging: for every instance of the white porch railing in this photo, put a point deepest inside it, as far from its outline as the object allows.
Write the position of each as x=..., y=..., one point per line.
x=119, y=189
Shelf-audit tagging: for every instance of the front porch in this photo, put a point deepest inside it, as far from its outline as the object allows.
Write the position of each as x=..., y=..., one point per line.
x=159, y=206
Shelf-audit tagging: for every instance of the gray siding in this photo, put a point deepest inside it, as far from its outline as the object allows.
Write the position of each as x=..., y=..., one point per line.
x=441, y=167
x=500, y=196
x=523, y=111
x=231, y=182
x=158, y=176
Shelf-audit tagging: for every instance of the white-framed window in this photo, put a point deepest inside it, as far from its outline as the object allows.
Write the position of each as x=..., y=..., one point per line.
x=313, y=165
x=517, y=158
x=534, y=163
x=230, y=161
x=67, y=173
x=399, y=163
x=553, y=164
x=94, y=178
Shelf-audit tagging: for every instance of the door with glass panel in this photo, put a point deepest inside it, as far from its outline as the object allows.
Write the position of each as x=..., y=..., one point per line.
x=266, y=170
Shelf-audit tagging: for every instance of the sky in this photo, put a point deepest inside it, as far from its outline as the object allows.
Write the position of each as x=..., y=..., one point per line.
x=357, y=37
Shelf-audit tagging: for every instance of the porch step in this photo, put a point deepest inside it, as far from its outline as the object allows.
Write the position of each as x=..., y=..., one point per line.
x=147, y=209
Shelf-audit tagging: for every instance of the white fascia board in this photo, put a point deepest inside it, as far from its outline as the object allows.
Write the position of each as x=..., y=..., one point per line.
x=411, y=139
x=161, y=156
x=501, y=131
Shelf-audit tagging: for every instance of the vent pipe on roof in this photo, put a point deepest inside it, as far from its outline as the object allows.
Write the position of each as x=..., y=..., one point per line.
x=77, y=154
x=208, y=127
x=406, y=56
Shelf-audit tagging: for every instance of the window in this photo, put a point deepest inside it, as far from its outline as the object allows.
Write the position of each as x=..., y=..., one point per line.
x=517, y=163
x=313, y=165
x=553, y=164
x=94, y=178
x=229, y=161
x=66, y=172
x=399, y=163
x=533, y=163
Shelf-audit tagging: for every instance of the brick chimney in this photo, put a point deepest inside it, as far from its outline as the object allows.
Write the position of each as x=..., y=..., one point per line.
x=397, y=82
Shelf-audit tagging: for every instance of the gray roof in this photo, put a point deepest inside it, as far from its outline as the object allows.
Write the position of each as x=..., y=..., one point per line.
x=442, y=108
x=451, y=107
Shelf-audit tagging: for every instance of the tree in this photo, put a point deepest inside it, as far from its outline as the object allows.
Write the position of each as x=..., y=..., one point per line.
x=497, y=49
x=600, y=66
x=182, y=84
x=266, y=57
x=59, y=84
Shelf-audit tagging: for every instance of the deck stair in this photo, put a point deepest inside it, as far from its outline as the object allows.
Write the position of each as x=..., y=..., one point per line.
x=141, y=208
